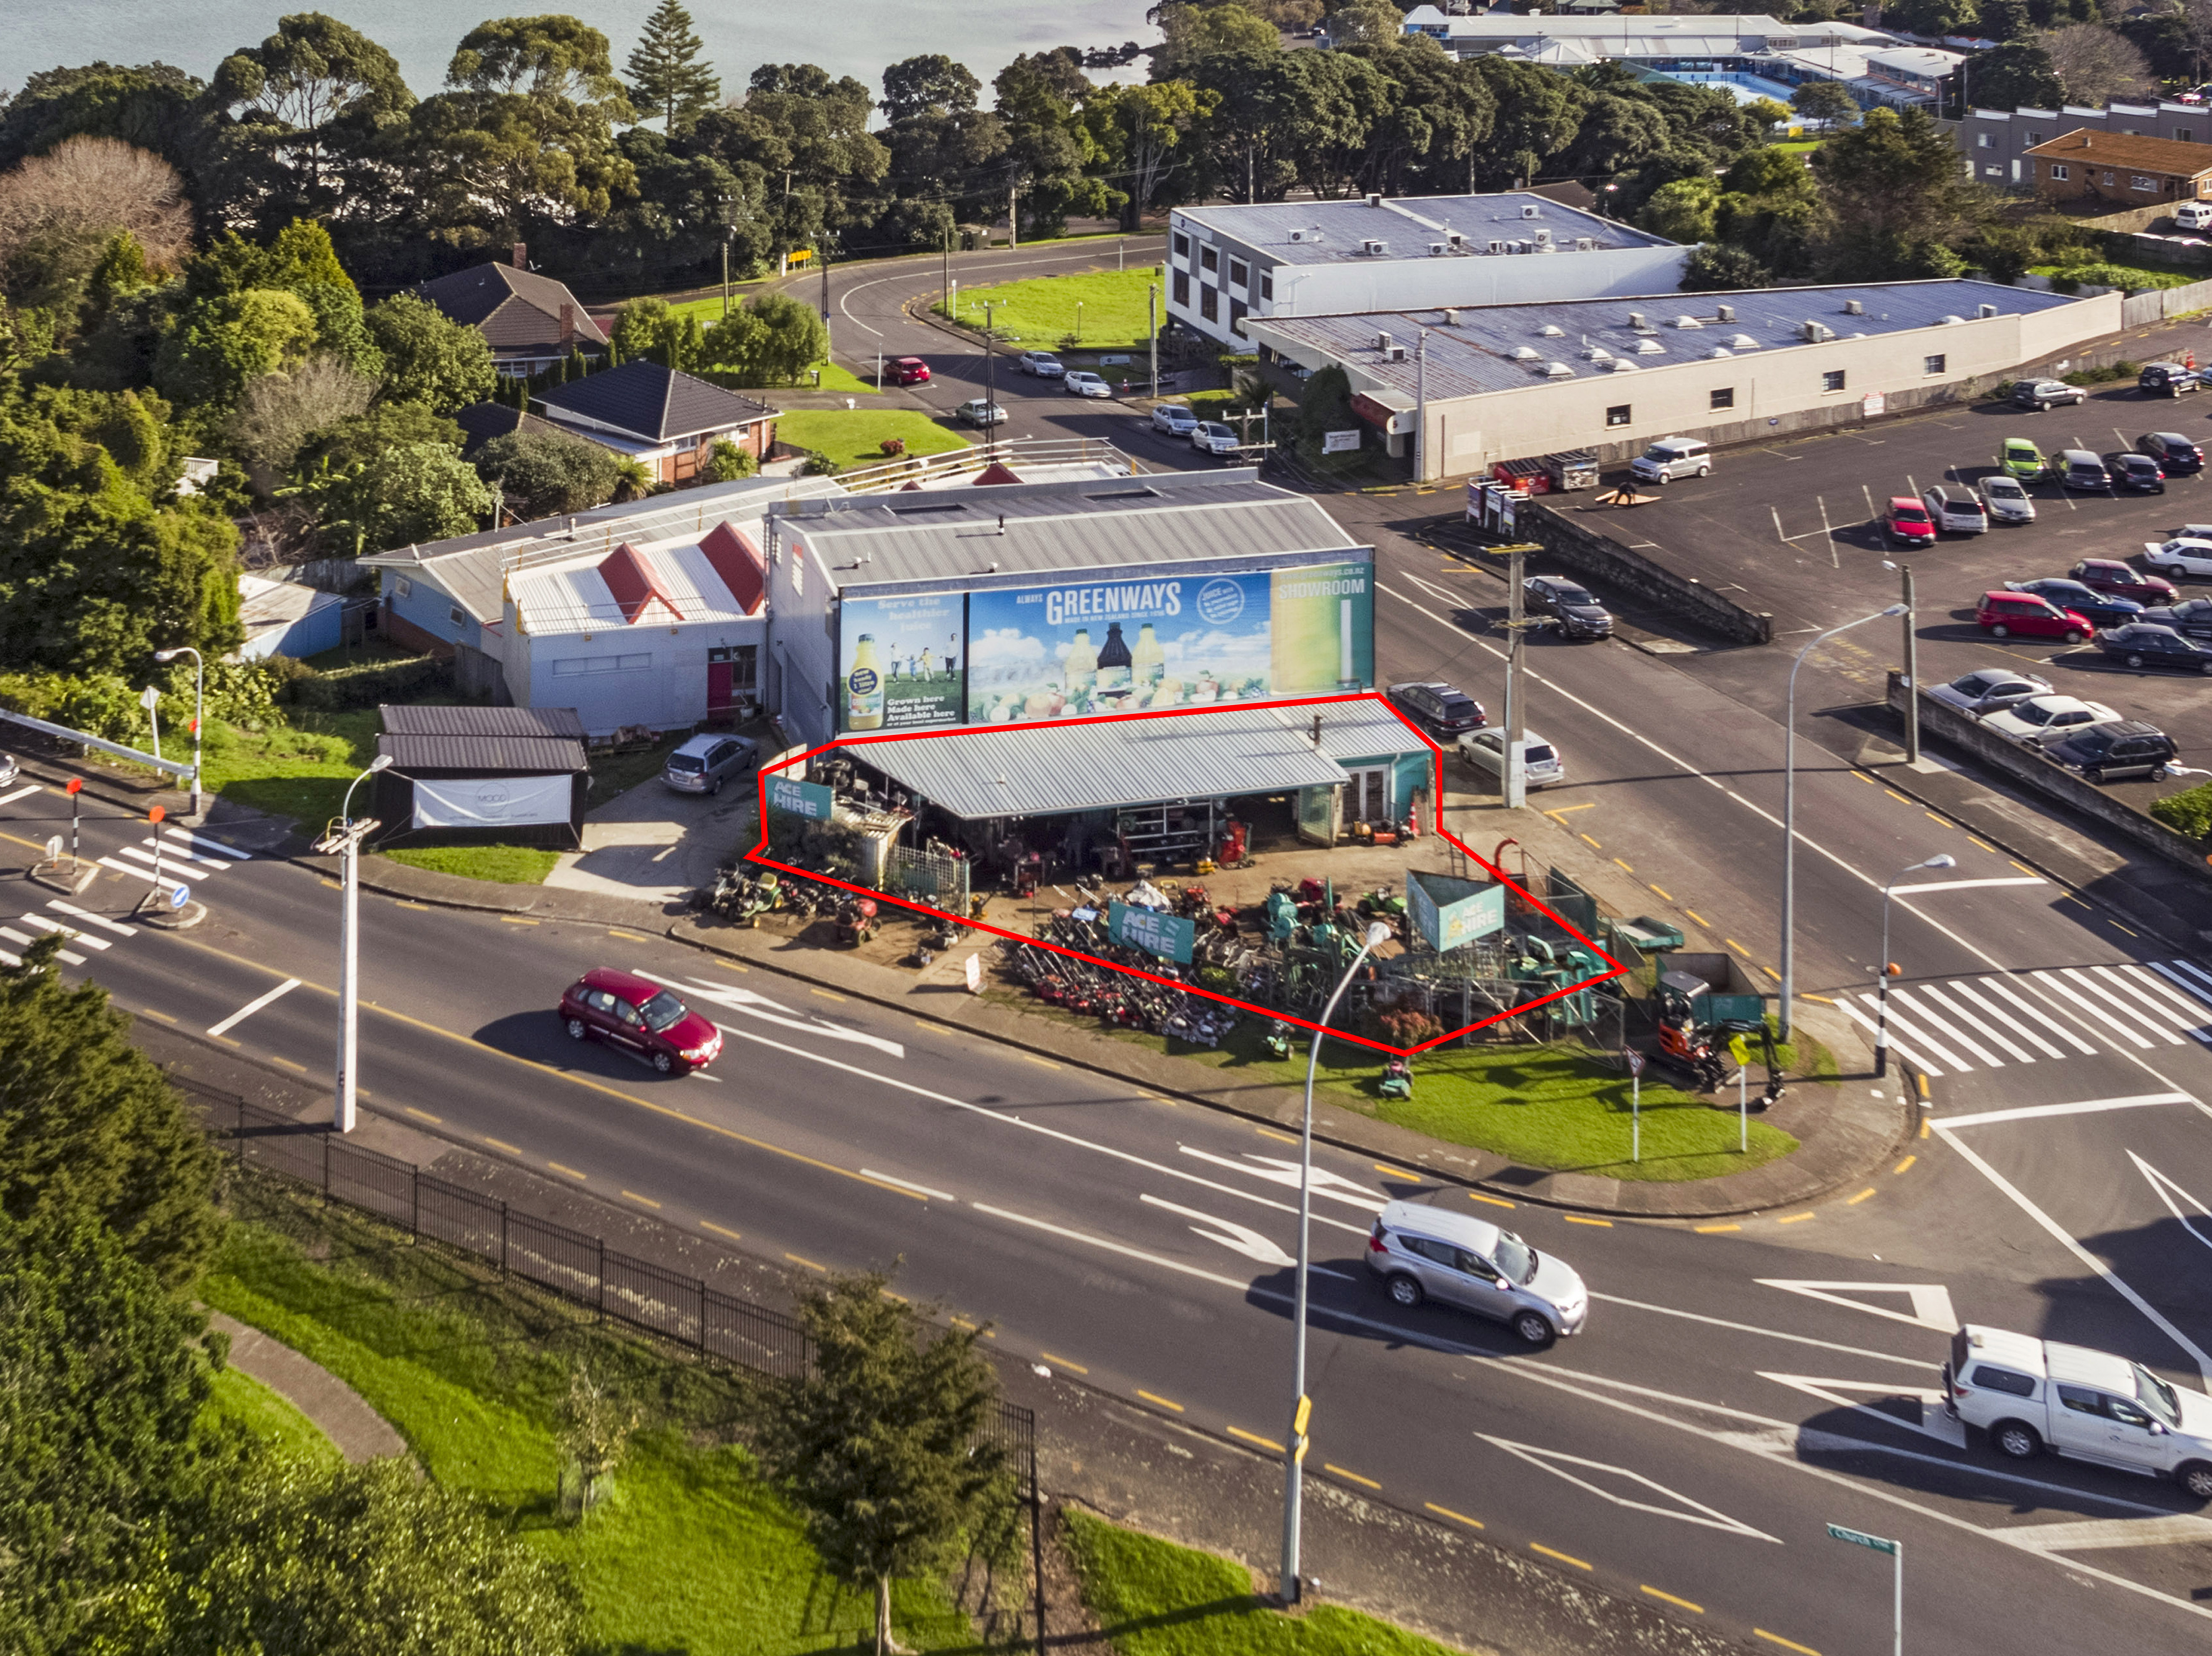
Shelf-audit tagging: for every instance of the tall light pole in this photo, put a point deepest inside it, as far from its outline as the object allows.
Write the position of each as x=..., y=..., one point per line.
x=1941, y=859
x=343, y=836
x=199, y=707
x=1790, y=815
x=1301, y=1408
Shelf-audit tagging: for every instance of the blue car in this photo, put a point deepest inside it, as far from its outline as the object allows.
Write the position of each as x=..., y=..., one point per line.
x=2099, y=608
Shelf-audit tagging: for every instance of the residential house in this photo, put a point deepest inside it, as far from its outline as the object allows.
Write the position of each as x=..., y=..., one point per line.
x=2122, y=168
x=1996, y=142
x=669, y=421
x=531, y=321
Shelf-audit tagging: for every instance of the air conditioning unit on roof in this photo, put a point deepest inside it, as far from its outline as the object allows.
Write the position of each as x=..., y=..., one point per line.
x=1373, y=248
x=1530, y=210
x=1815, y=333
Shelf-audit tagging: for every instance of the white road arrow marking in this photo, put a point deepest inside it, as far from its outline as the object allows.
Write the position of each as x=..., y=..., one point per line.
x=768, y=1011
x=1931, y=1301
x=1276, y=1171
x=1556, y=1462
x=2168, y=1190
x=1237, y=1238
x=1933, y=1421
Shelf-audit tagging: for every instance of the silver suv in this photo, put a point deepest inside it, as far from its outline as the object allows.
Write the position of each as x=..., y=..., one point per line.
x=1671, y=458
x=1423, y=1252
x=703, y=764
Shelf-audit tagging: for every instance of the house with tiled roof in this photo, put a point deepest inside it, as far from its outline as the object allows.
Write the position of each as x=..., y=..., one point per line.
x=531, y=322
x=667, y=420
x=2127, y=168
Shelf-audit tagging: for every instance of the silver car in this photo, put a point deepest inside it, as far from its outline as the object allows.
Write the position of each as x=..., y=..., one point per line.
x=2006, y=500
x=1211, y=437
x=1422, y=1252
x=1987, y=688
x=1043, y=364
x=1174, y=419
x=703, y=764
x=1540, y=764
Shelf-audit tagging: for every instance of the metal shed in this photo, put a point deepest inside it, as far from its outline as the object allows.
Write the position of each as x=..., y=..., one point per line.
x=466, y=776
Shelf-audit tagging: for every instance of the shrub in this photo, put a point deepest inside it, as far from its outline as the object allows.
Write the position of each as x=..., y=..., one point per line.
x=370, y=684
x=2188, y=812
x=893, y=447
x=726, y=462
x=1408, y=1028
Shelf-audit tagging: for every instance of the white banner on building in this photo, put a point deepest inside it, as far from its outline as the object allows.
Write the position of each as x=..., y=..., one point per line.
x=491, y=801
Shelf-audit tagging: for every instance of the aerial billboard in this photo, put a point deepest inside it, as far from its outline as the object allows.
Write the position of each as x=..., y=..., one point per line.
x=901, y=661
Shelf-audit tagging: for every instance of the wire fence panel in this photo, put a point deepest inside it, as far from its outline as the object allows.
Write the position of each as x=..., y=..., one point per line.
x=464, y=1219
x=753, y=1337
x=382, y=1185
x=664, y=1302
x=553, y=1256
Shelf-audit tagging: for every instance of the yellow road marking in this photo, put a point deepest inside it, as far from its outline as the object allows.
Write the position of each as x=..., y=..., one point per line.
x=1064, y=1363
x=1710, y=1230
x=402, y=902
x=1922, y=1082
x=1046, y=1062
x=708, y=1224
x=1670, y=1598
x=1395, y=1173
x=229, y=1041
x=1331, y=1466
x=1618, y=863
x=826, y=994
x=1772, y=973
x=2022, y=867
x=1895, y=795
x=301, y=1068
x=1269, y=1132
x=824, y=1269
x=425, y=1115
x=148, y=1011
x=1860, y=1197
x=1991, y=849
x=1588, y=804
x=1905, y=1163
x=1787, y=1644
x=2116, y=926
x=1669, y=895
x=1738, y=946
x=1565, y=1558
x=1795, y=1218
x=1164, y=1403
x=1592, y=843
x=571, y=1171
x=1933, y=817
x=1694, y=915
x=502, y=1144
x=631, y=937
x=1583, y=1219
x=1923, y=1130
x=1253, y=1437
x=1823, y=999
x=1864, y=778
x=516, y=919
x=1456, y=1518
x=2070, y=897
x=334, y=885
x=40, y=849
x=1494, y=1201
x=648, y=1200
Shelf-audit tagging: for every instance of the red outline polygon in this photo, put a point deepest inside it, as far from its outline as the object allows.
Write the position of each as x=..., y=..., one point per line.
x=756, y=855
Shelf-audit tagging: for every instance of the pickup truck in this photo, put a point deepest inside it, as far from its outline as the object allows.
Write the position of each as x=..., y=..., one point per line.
x=2031, y=1395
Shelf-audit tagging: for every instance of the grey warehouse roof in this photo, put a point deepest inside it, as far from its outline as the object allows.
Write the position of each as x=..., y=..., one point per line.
x=1048, y=528
x=1494, y=348
x=1048, y=768
x=1408, y=224
x=544, y=740
x=418, y=720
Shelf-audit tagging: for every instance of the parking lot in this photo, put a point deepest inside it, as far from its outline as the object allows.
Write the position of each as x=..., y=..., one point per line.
x=1796, y=530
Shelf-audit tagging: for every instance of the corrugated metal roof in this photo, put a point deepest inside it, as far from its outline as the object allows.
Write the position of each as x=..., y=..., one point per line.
x=1035, y=770
x=1476, y=353
x=415, y=720
x=1408, y=224
x=536, y=756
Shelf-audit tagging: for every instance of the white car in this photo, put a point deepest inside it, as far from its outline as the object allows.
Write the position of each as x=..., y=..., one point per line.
x=1084, y=384
x=2008, y=502
x=1043, y=364
x=1540, y=764
x=1174, y=419
x=1985, y=689
x=1211, y=437
x=2030, y=721
x=2184, y=554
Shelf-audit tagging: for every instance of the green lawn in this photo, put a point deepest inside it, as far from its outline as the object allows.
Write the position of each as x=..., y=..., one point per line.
x=854, y=437
x=1154, y=1598
x=270, y=1416
x=1042, y=311
x=500, y=864
x=299, y=769
x=692, y=1553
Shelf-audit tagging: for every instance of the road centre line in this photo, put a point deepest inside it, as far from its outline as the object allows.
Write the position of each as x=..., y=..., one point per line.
x=253, y=1006
x=1456, y=1518
x=1565, y=1558
x=2030, y=1112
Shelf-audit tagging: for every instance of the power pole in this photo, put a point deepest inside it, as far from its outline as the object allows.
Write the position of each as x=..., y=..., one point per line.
x=825, y=288
x=1152, y=325
x=1013, y=217
x=1514, y=777
x=728, y=230
x=1421, y=409
x=1912, y=675
x=990, y=375
x=945, y=275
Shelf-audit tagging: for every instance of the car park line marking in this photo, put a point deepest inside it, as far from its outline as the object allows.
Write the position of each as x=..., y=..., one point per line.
x=436, y=1121
x=68, y=932
x=824, y=1269
x=1456, y=1518
x=571, y=1171
x=1494, y=1201
x=1854, y=1201
x=1715, y=1230
x=1331, y=1466
x=909, y=1184
x=1787, y=1644
x=253, y=1006
x=2036, y=1111
x=1253, y=1437
x=1670, y=1598
x=1556, y=1461
x=719, y=1231
x=1164, y=1403
x=502, y=1144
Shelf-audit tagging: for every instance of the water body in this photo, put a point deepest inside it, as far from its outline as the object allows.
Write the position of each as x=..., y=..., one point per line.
x=856, y=37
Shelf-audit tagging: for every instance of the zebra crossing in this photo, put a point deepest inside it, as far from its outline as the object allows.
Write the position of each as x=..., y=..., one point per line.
x=80, y=927
x=184, y=855
x=1990, y=1023
x=180, y=851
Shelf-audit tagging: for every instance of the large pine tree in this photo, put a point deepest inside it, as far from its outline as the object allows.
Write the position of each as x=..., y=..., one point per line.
x=666, y=70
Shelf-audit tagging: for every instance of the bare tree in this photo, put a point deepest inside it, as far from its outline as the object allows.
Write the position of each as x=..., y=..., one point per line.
x=279, y=411
x=85, y=190
x=2096, y=65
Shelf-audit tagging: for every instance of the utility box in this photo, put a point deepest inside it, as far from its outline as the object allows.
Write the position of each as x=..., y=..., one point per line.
x=1718, y=987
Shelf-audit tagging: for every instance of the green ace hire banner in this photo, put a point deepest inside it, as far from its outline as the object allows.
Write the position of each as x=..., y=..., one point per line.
x=1178, y=642
x=901, y=661
x=1168, y=936
x=809, y=799
x=1447, y=911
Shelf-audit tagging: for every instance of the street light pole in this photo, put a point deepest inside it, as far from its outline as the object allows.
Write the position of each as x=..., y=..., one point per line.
x=1789, y=816
x=1941, y=859
x=199, y=707
x=1301, y=1410
x=344, y=837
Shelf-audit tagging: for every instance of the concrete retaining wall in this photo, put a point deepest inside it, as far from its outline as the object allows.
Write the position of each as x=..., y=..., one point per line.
x=1964, y=732
x=1610, y=565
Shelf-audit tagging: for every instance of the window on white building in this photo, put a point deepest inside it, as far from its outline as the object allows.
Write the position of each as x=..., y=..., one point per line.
x=574, y=664
x=1832, y=379
x=1931, y=365
x=1617, y=415
x=1724, y=397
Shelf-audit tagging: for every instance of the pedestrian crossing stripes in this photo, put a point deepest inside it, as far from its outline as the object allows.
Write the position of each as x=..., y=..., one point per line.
x=72, y=928
x=171, y=852
x=1970, y=1023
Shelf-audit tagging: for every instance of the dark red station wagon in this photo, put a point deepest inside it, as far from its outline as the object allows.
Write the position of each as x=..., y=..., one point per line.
x=639, y=1017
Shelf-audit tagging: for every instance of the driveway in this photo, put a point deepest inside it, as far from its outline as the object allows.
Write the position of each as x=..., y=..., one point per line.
x=656, y=844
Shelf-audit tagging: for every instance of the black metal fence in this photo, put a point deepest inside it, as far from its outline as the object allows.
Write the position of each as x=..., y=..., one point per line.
x=580, y=1268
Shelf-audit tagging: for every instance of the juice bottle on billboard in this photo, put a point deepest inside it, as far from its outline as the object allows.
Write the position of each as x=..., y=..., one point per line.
x=1114, y=665
x=1147, y=666
x=1080, y=672
x=863, y=687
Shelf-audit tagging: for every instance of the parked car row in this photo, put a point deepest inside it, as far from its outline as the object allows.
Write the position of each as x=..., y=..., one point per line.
x=2086, y=738
x=2154, y=380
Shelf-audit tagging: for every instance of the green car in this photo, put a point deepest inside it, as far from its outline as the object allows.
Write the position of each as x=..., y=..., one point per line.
x=2022, y=460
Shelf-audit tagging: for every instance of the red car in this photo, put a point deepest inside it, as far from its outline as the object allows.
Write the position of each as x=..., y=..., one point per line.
x=2024, y=615
x=906, y=370
x=2122, y=580
x=1908, y=522
x=639, y=1017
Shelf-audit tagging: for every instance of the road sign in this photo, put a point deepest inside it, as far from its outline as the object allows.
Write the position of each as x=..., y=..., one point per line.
x=974, y=973
x=147, y=697
x=157, y=813
x=1861, y=1538
x=54, y=849
x=179, y=896
x=76, y=785
x=1636, y=1061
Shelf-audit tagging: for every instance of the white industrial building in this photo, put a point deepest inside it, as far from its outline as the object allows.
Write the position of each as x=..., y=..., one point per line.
x=1381, y=254
x=1514, y=382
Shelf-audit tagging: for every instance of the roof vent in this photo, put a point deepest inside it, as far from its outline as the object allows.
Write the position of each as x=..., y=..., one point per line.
x=1530, y=210
x=1813, y=333
x=1527, y=354
x=1649, y=348
x=1597, y=353
x=1718, y=352
x=1685, y=322
x=1636, y=321
x=1985, y=311
x=1622, y=364
x=1551, y=330
x=1723, y=313
x=1558, y=371
x=1941, y=321
x=1852, y=307
x=1743, y=341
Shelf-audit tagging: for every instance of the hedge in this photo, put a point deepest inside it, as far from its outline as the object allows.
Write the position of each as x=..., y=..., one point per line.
x=340, y=688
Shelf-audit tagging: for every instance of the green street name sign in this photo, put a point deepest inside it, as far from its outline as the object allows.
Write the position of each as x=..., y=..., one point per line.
x=1861, y=1538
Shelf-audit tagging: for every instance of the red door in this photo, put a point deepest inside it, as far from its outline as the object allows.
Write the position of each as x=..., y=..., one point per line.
x=718, y=686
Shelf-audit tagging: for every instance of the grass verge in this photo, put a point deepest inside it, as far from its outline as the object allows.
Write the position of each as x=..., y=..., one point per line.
x=1154, y=1598
x=854, y=437
x=1042, y=311
x=270, y=1416
x=500, y=865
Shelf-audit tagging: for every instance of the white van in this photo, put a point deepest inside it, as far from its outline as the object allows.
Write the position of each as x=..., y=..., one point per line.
x=1671, y=458
x=2193, y=215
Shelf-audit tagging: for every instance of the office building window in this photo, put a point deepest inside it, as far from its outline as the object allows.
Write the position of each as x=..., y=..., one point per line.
x=1617, y=415
x=1240, y=274
x=1832, y=379
x=1724, y=397
x=1931, y=365
x=1267, y=286
x=2033, y=138
x=2185, y=135
x=1180, y=290
x=1993, y=172
x=1983, y=140
x=2060, y=174
x=1237, y=309
x=1209, y=260
x=1209, y=303
x=1182, y=248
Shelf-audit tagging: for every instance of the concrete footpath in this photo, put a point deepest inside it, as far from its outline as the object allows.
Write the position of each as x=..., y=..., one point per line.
x=341, y=1413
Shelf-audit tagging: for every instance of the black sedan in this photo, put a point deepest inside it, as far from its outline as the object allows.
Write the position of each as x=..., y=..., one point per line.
x=2099, y=608
x=2141, y=644
x=1574, y=611
x=2176, y=455
x=2191, y=619
x=2137, y=473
